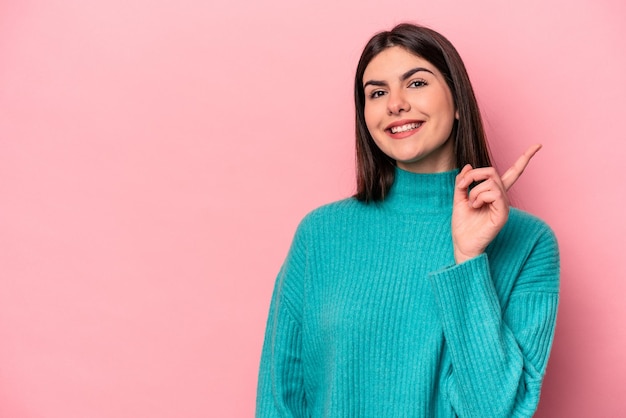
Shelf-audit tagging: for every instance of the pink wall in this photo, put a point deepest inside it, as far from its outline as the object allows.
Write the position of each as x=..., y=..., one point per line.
x=156, y=156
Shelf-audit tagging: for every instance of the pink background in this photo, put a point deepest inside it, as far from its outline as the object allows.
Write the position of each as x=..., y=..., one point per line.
x=156, y=157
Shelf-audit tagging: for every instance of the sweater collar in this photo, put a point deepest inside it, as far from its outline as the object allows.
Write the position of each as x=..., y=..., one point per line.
x=432, y=192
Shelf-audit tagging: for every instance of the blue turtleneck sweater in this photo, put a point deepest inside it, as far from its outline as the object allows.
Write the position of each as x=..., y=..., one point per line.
x=371, y=317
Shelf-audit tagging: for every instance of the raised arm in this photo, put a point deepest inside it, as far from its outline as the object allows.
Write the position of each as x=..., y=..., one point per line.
x=498, y=307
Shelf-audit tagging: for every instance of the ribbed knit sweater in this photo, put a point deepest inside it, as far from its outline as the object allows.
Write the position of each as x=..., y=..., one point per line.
x=371, y=317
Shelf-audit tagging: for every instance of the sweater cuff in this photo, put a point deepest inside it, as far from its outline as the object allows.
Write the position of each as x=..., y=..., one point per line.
x=466, y=295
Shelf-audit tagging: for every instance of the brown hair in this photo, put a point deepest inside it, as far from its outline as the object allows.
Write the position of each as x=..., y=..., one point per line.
x=375, y=170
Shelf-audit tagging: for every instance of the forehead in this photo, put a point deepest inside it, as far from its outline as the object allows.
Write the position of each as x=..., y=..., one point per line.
x=393, y=62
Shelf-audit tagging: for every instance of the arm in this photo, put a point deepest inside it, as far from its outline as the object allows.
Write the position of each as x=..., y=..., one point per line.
x=280, y=391
x=498, y=353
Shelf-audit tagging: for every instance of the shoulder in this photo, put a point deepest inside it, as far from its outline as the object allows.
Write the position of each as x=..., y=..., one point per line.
x=331, y=213
x=530, y=245
x=525, y=237
x=524, y=224
x=330, y=219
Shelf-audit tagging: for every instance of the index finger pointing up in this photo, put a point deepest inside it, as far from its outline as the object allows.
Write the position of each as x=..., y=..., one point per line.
x=516, y=170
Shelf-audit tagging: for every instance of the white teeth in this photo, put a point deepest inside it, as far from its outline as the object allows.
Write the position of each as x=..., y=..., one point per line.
x=404, y=128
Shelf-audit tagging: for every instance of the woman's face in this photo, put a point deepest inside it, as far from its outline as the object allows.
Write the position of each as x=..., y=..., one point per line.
x=409, y=111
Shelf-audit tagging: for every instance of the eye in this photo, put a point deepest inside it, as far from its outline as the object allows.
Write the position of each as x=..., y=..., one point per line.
x=418, y=83
x=376, y=93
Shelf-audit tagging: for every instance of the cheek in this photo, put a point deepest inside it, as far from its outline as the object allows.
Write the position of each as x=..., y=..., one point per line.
x=444, y=109
x=371, y=116
x=448, y=107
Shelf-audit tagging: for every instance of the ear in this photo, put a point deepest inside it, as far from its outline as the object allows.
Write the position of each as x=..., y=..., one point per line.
x=456, y=115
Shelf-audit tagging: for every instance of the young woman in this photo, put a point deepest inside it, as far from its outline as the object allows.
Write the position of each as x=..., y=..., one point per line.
x=425, y=294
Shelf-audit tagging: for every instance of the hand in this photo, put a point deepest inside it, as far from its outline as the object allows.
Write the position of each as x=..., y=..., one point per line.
x=477, y=217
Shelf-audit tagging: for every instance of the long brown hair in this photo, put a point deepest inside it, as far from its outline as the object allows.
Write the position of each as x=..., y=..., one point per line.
x=375, y=170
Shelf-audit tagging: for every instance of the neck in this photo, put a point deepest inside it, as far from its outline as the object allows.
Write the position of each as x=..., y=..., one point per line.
x=431, y=192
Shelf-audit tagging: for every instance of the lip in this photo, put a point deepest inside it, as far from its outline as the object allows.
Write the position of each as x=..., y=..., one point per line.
x=401, y=135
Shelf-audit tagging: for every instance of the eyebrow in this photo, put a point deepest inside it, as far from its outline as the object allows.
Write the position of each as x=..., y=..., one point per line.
x=403, y=77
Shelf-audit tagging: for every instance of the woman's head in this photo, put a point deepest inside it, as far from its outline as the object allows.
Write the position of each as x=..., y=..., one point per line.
x=440, y=67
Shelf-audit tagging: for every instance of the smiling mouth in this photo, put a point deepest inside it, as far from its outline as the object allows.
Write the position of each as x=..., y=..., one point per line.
x=405, y=127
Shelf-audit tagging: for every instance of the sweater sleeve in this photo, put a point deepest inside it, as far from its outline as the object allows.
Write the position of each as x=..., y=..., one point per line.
x=280, y=391
x=498, y=353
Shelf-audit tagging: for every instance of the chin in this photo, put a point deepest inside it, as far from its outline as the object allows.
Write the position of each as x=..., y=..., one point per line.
x=408, y=160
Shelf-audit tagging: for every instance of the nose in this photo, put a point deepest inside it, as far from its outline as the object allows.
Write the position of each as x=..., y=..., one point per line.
x=397, y=103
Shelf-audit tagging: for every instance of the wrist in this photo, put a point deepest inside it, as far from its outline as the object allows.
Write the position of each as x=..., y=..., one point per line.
x=461, y=257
